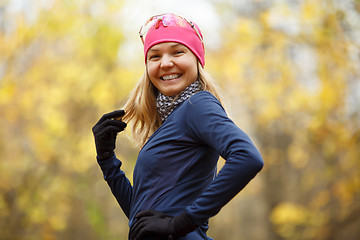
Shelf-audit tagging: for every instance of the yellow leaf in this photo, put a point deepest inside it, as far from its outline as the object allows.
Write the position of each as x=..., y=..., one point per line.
x=289, y=213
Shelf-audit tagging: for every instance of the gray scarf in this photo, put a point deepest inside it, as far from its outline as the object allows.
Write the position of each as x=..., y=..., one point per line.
x=166, y=104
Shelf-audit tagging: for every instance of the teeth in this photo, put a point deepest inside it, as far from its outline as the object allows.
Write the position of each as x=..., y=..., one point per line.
x=170, y=77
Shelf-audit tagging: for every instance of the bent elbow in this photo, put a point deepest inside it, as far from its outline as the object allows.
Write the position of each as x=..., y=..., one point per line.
x=260, y=164
x=257, y=163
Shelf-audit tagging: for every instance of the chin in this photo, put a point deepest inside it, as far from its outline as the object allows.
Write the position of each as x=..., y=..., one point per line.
x=170, y=92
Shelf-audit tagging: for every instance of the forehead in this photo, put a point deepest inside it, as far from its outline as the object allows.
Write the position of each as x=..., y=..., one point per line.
x=166, y=45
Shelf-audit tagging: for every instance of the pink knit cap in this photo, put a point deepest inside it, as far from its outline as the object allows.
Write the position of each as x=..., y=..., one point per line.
x=174, y=29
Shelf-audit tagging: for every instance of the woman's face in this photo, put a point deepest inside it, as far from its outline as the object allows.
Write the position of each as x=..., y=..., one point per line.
x=171, y=67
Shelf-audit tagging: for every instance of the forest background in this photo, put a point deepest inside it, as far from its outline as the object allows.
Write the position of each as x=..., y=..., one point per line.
x=289, y=69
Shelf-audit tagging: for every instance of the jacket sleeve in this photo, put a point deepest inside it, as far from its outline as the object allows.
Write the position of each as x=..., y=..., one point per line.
x=119, y=184
x=209, y=124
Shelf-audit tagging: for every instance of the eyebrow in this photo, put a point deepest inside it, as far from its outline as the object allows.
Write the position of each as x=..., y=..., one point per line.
x=172, y=46
x=175, y=45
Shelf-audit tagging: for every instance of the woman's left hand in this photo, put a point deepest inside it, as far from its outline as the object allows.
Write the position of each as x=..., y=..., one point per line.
x=153, y=223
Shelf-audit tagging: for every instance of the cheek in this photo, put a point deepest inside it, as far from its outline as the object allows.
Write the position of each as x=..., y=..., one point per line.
x=192, y=67
x=151, y=71
x=193, y=72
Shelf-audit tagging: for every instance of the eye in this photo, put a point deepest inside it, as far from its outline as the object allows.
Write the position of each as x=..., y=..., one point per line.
x=179, y=52
x=154, y=57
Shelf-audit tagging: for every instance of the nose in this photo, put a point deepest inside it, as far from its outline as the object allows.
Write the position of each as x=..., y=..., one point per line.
x=166, y=61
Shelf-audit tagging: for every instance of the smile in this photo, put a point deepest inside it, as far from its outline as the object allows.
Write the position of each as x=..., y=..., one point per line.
x=171, y=76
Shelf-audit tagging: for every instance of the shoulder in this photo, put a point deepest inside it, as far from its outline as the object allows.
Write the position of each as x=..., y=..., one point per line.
x=203, y=98
x=204, y=104
x=203, y=94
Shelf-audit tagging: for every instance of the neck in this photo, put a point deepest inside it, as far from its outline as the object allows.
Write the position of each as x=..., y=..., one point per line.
x=167, y=104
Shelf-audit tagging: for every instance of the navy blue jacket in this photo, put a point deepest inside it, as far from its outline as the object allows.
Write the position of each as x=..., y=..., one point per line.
x=176, y=169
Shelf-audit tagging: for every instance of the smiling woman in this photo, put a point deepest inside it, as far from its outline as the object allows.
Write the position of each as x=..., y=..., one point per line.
x=177, y=117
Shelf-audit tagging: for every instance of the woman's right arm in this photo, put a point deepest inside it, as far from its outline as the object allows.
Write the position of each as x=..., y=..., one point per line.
x=119, y=184
x=105, y=132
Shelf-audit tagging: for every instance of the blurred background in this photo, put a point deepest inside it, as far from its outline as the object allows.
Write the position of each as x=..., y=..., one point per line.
x=290, y=72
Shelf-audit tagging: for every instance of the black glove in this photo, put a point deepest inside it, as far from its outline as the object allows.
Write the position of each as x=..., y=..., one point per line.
x=151, y=223
x=105, y=131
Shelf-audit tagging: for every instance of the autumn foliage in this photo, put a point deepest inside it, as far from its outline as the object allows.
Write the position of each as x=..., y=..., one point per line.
x=291, y=75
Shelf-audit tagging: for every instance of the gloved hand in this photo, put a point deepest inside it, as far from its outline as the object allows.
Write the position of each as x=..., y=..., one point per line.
x=151, y=223
x=105, y=131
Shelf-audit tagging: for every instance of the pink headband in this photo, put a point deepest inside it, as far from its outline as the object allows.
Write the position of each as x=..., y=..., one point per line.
x=173, y=28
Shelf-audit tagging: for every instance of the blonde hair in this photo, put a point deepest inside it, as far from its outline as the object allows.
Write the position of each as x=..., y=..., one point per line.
x=140, y=108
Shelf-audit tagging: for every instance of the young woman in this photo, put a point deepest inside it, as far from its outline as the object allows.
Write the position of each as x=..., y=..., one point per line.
x=178, y=119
